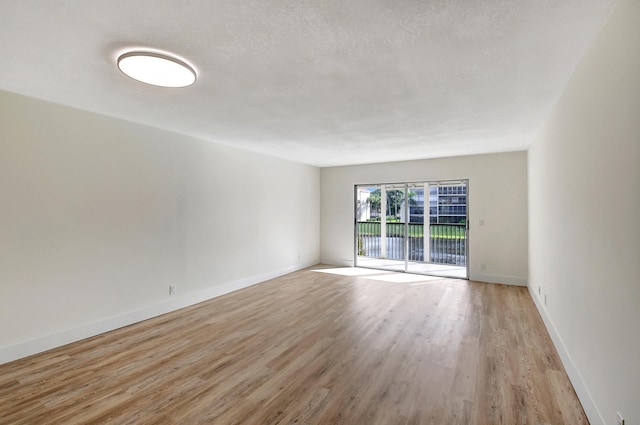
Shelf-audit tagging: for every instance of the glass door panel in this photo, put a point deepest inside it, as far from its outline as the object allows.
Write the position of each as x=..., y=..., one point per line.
x=368, y=232
x=417, y=227
x=380, y=221
x=395, y=227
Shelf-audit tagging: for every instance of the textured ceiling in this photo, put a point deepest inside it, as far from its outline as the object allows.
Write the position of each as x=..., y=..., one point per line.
x=323, y=82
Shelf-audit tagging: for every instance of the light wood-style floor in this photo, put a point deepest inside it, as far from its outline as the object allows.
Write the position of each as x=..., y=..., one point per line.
x=310, y=348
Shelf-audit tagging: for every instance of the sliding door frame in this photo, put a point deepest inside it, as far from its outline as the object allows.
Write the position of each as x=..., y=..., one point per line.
x=426, y=221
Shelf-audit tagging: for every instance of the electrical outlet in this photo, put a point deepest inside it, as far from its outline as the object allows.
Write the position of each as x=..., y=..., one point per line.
x=172, y=289
x=483, y=266
x=620, y=419
x=539, y=289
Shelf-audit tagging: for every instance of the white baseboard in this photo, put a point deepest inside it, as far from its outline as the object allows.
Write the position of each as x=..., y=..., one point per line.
x=589, y=406
x=506, y=280
x=38, y=345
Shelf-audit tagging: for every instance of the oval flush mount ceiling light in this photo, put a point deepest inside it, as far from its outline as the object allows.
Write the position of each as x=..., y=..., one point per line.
x=156, y=69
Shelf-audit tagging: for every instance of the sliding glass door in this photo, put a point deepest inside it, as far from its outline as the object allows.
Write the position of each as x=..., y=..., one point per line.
x=418, y=227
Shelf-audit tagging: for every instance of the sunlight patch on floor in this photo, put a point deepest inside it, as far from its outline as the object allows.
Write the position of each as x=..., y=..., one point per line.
x=381, y=275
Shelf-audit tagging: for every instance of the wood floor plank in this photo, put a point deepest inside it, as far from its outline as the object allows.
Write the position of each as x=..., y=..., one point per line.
x=311, y=347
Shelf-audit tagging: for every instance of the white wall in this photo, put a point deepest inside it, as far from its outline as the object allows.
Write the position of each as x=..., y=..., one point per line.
x=497, y=195
x=99, y=216
x=584, y=218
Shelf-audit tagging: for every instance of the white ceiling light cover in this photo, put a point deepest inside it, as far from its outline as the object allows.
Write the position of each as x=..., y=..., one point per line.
x=157, y=69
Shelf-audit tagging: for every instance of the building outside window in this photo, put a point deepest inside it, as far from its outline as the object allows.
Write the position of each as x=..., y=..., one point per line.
x=447, y=205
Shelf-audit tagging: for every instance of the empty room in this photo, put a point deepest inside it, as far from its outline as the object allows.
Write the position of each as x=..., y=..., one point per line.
x=280, y=212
